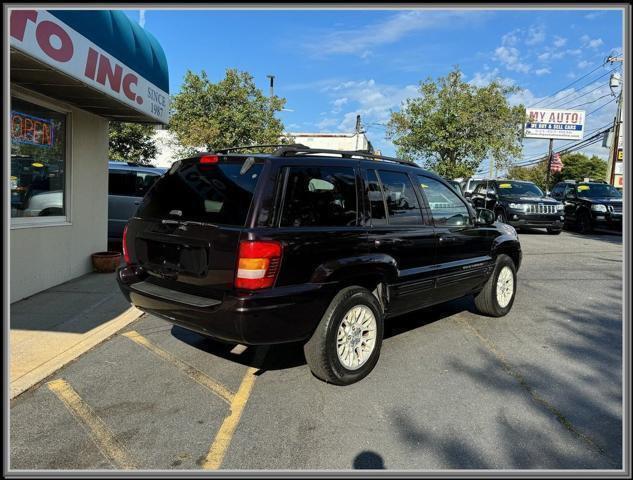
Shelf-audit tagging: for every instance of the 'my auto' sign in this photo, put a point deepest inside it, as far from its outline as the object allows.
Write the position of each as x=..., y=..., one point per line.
x=46, y=38
x=556, y=124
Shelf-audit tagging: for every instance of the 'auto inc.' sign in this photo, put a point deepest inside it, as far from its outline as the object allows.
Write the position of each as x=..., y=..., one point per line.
x=556, y=124
x=46, y=38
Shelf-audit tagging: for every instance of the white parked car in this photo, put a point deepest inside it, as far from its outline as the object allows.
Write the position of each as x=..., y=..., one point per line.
x=45, y=204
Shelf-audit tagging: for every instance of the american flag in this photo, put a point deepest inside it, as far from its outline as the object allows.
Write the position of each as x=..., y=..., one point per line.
x=557, y=163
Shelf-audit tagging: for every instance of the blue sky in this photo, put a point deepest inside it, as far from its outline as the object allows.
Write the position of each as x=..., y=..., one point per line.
x=332, y=64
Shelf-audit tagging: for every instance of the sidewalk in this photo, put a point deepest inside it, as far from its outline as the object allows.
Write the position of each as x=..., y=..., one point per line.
x=53, y=327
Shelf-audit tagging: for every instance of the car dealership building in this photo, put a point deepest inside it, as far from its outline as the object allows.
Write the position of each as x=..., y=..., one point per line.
x=71, y=72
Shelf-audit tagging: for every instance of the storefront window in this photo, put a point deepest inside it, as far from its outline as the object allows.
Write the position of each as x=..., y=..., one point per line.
x=38, y=160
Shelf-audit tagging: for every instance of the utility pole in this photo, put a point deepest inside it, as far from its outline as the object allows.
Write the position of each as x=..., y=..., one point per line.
x=615, y=143
x=358, y=130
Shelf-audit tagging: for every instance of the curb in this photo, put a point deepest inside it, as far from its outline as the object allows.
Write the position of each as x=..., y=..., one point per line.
x=91, y=339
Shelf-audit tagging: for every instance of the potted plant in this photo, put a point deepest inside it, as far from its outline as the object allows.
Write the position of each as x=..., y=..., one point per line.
x=106, y=262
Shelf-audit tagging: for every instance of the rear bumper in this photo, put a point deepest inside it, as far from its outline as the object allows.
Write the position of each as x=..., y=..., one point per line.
x=277, y=315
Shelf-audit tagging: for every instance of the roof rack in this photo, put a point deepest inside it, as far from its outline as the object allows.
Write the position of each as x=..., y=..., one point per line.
x=302, y=150
x=244, y=147
x=136, y=164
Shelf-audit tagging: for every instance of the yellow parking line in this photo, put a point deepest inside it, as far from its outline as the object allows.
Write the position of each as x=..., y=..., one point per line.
x=191, y=371
x=103, y=438
x=223, y=438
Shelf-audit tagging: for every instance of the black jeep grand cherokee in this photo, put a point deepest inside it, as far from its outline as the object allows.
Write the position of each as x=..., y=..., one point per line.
x=295, y=246
x=520, y=204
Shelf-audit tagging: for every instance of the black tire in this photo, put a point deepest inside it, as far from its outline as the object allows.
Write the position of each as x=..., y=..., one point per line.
x=501, y=216
x=320, y=350
x=486, y=300
x=554, y=231
x=584, y=223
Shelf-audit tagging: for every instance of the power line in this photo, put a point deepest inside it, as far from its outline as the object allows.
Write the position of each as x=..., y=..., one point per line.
x=590, y=132
x=590, y=82
x=600, y=107
x=567, y=86
x=563, y=148
x=593, y=101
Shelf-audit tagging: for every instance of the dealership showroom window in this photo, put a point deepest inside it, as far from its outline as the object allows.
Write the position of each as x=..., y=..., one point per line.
x=38, y=162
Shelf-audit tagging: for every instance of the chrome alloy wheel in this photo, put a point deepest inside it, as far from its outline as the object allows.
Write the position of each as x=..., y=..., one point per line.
x=505, y=287
x=356, y=337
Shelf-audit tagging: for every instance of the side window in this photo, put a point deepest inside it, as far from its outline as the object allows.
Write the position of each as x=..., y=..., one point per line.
x=402, y=204
x=570, y=191
x=557, y=191
x=122, y=182
x=143, y=182
x=376, y=199
x=320, y=197
x=446, y=207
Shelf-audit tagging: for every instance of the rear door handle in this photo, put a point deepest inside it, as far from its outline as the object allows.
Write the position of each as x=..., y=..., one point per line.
x=448, y=239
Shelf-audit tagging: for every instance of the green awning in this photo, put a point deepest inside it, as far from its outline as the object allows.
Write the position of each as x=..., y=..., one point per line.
x=113, y=31
x=99, y=60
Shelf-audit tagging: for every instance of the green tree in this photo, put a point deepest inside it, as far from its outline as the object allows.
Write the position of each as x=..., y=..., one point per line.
x=132, y=142
x=452, y=126
x=576, y=166
x=535, y=173
x=230, y=113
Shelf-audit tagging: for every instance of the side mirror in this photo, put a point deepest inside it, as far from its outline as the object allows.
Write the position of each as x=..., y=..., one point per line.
x=484, y=217
x=548, y=193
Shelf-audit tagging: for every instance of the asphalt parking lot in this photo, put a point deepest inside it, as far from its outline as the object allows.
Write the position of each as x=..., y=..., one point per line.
x=539, y=388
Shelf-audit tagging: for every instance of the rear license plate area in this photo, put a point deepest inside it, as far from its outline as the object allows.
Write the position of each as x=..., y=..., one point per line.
x=174, y=258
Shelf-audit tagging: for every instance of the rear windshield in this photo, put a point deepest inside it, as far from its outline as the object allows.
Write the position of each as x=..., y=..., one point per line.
x=212, y=193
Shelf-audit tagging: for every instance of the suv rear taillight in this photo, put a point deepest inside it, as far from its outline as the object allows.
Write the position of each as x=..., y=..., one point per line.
x=257, y=265
x=126, y=252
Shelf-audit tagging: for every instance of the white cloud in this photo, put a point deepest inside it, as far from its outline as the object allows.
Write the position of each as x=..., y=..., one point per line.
x=338, y=104
x=141, y=18
x=510, y=57
x=511, y=38
x=543, y=57
x=481, y=79
x=535, y=35
x=553, y=53
x=589, y=42
x=359, y=41
x=327, y=123
x=372, y=101
x=542, y=71
x=583, y=64
x=559, y=41
x=594, y=15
